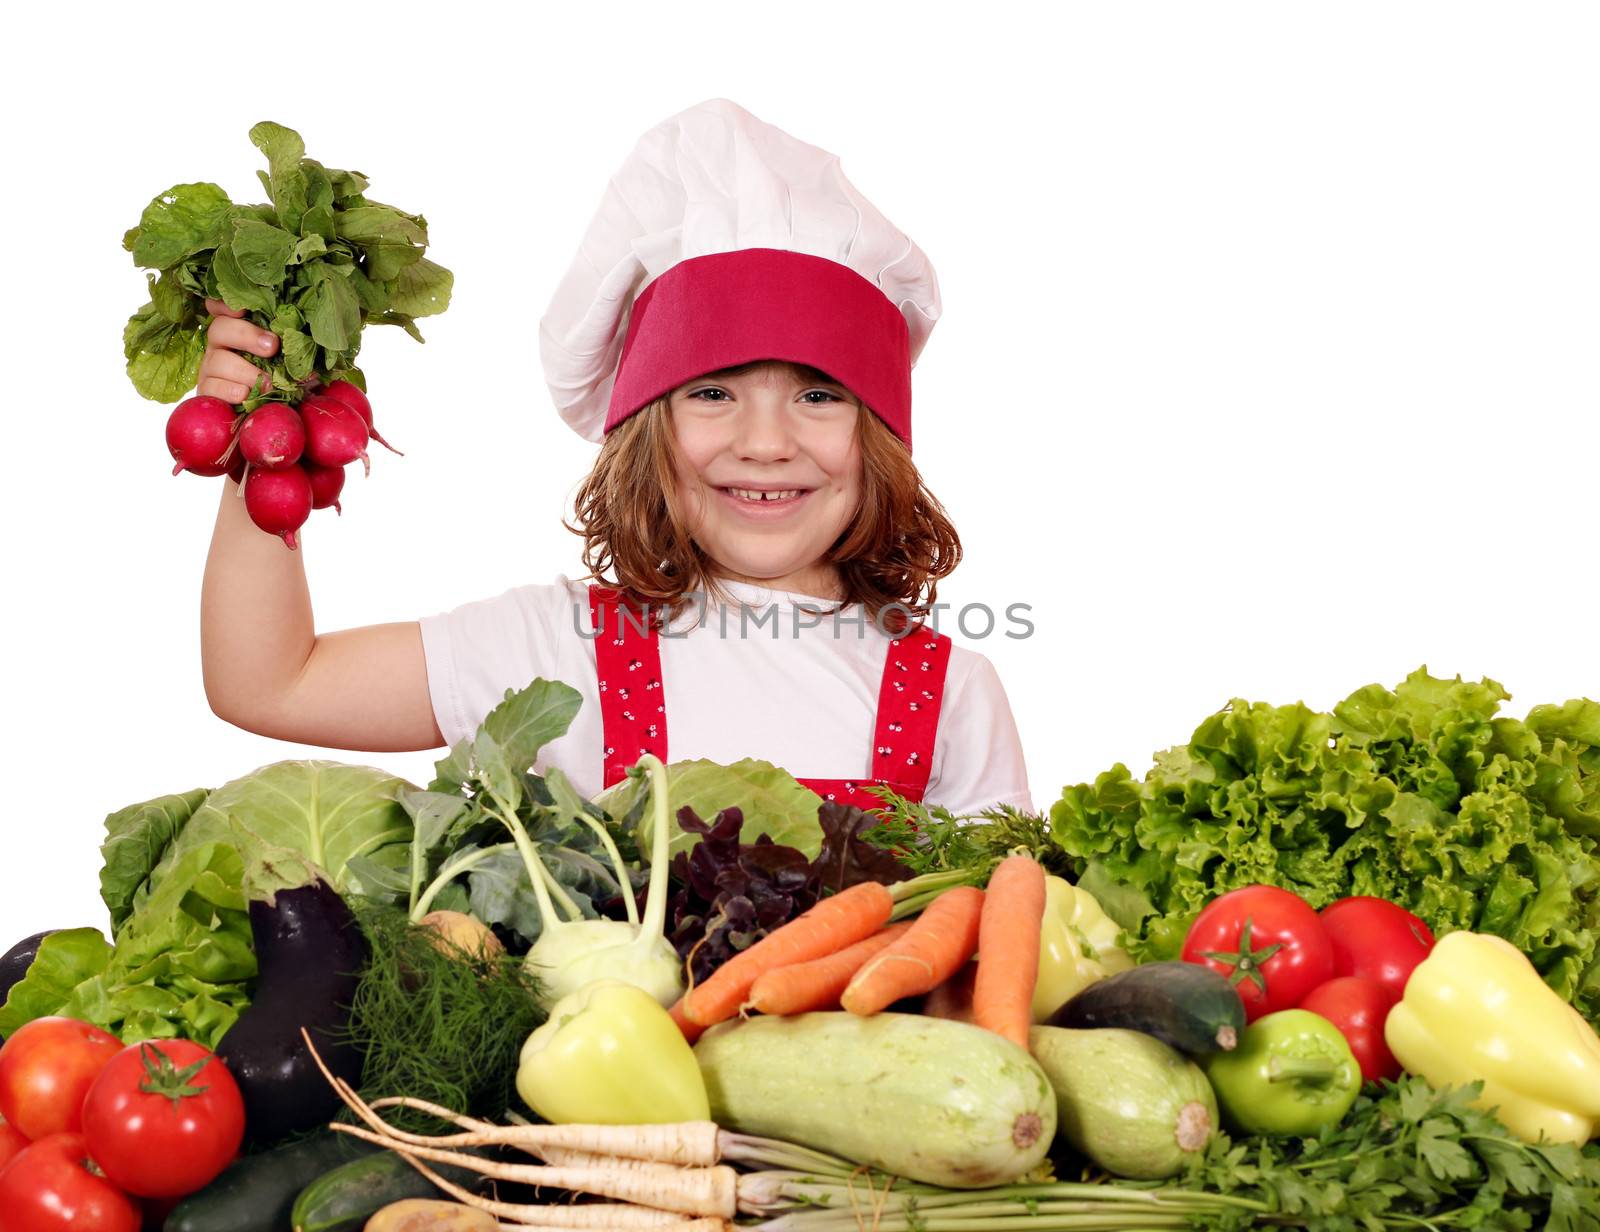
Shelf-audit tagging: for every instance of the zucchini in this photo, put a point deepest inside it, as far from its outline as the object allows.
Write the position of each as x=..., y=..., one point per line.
x=257, y=1192
x=1183, y=1004
x=1136, y=1107
x=344, y=1199
x=924, y=1098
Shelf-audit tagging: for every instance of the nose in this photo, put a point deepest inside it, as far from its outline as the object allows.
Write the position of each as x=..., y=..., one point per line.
x=763, y=431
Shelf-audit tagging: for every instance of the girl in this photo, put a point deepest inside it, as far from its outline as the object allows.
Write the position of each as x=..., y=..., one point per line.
x=738, y=328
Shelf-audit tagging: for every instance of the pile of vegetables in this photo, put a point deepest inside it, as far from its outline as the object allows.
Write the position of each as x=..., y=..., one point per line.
x=815, y=1017
x=315, y=265
x=1420, y=795
x=181, y=960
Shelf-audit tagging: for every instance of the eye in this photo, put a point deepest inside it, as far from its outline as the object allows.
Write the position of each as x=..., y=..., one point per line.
x=831, y=397
x=697, y=394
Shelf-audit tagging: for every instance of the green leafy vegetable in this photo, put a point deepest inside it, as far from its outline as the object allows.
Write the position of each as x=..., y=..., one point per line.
x=771, y=799
x=315, y=266
x=1407, y=1157
x=327, y=811
x=932, y=839
x=462, y=859
x=436, y=1025
x=136, y=839
x=1422, y=795
x=729, y=894
x=181, y=962
x=65, y=959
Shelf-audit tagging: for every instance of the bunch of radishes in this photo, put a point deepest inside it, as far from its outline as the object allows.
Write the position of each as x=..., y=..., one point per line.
x=287, y=459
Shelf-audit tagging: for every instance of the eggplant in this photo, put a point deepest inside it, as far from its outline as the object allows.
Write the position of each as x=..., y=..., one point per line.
x=14, y=963
x=311, y=953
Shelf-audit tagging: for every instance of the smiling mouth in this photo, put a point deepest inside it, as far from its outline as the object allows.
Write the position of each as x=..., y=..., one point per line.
x=765, y=496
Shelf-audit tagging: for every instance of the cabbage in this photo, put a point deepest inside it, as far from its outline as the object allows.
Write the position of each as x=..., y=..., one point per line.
x=326, y=811
x=772, y=800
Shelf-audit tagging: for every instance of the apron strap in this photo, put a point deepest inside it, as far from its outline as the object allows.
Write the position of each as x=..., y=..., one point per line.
x=909, y=700
x=633, y=709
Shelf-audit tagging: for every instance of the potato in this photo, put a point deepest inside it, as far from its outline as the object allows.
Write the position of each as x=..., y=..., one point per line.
x=429, y=1215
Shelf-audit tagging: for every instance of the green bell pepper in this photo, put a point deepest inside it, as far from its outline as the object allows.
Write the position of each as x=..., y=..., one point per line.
x=609, y=1054
x=1292, y=1073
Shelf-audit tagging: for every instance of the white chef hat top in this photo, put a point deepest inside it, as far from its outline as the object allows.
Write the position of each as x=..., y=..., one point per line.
x=713, y=179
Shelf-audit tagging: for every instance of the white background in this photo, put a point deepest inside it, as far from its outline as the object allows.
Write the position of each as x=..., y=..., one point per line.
x=1267, y=369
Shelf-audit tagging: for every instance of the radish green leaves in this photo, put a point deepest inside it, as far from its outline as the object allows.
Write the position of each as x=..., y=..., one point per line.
x=314, y=266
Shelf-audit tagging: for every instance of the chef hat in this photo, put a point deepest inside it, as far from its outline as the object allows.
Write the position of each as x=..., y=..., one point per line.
x=723, y=240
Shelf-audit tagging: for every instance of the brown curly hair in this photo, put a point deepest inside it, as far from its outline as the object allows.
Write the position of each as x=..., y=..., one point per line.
x=890, y=558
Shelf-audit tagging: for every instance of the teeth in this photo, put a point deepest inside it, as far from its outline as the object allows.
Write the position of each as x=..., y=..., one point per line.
x=750, y=494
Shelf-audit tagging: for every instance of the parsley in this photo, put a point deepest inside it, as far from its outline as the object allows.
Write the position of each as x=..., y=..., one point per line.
x=1408, y=1157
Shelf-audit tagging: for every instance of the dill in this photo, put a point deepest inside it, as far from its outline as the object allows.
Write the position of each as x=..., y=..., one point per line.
x=931, y=839
x=435, y=1024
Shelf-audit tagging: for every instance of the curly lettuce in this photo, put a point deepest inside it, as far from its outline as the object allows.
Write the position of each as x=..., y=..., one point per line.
x=1422, y=795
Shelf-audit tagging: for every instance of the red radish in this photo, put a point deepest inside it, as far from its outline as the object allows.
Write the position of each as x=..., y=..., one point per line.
x=272, y=437
x=335, y=433
x=326, y=484
x=200, y=434
x=350, y=392
x=353, y=397
x=279, y=502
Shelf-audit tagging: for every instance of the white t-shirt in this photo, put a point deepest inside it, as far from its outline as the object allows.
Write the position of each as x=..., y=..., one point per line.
x=797, y=690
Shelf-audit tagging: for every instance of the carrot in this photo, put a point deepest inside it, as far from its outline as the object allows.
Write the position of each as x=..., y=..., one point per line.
x=691, y=1031
x=1008, y=949
x=943, y=937
x=847, y=917
x=816, y=985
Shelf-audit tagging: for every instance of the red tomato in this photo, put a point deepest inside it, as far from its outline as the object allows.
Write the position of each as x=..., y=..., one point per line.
x=49, y=1188
x=11, y=1143
x=163, y=1118
x=46, y=1068
x=1358, y=1008
x=1268, y=942
x=1376, y=940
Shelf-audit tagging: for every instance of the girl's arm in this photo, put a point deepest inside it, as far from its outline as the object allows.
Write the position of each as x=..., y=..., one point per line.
x=266, y=669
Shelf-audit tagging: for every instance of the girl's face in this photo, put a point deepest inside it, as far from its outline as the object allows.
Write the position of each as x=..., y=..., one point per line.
x=769, y=473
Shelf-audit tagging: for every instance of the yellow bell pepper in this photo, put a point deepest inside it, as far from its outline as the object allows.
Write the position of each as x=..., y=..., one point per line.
x=1476, y=1010
x=609, y=1054
x=1077, y=946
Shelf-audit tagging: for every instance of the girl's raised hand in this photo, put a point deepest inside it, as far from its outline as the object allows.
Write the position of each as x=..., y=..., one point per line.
x=224, y=372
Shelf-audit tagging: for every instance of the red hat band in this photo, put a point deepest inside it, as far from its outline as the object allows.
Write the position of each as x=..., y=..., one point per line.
x=729, y=308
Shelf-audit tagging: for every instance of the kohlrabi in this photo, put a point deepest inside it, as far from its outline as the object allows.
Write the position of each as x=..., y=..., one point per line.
x=572, y=951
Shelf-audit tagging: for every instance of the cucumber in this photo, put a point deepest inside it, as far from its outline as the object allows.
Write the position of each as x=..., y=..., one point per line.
x=1183, y=1004
x=344, y=1199
x=257, y=1193
x=924, y=1098
x=1136, y=1107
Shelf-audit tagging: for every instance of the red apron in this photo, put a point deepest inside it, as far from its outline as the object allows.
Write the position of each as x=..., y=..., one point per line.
x=633, y=705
